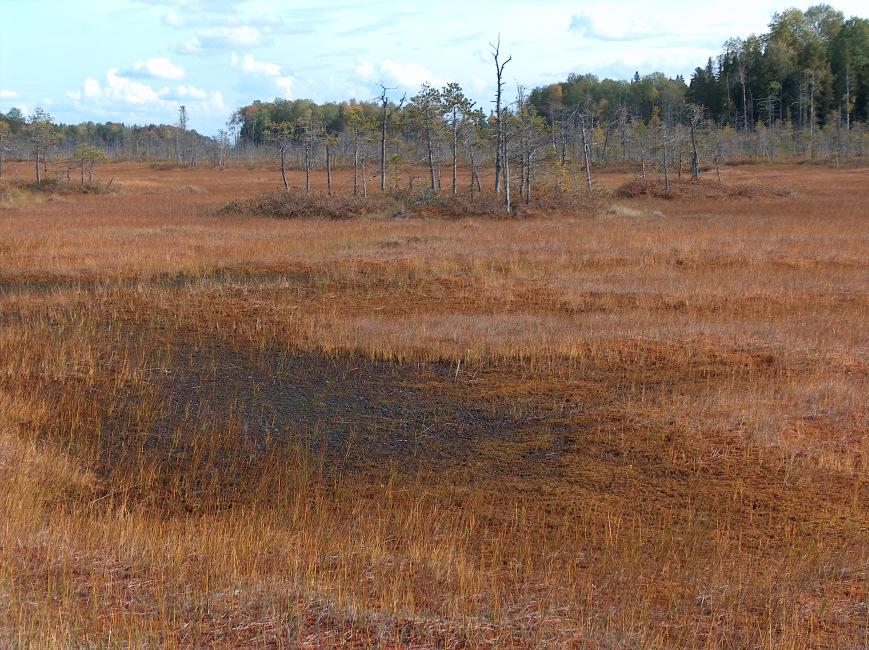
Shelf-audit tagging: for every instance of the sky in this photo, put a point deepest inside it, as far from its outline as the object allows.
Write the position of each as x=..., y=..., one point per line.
x=136, y=61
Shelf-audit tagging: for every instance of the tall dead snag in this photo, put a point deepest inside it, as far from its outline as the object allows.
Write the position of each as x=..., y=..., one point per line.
x=586, y=152
x=4, y=130
x=506, y=172
x=695, y=118
x=281, y=135
x=387, y=112
x=499, y=125
x=180, y=132
x=328, y=141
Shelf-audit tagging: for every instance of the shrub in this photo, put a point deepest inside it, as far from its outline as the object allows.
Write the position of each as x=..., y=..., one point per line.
x=702, y=189
x=54, y=186
x=295, y=204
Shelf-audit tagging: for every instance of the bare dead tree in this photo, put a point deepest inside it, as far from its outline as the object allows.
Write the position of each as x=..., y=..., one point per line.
x=387, y=113
x=695, y=118
x=4, y=130
x=586, y=153
x=180, y=128
x=499, y=126
x=281, y=135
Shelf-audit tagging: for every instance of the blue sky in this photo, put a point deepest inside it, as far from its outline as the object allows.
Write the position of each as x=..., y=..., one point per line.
x=136, y=60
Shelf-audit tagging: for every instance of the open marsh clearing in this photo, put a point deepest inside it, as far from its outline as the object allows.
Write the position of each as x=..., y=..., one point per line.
x=640, y=428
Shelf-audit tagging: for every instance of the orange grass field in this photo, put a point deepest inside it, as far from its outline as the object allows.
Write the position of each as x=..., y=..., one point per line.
x=643, y=428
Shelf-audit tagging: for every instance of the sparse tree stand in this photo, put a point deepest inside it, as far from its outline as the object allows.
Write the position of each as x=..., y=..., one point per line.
x=472, y=135
x=85, y=158
x=425, y=109
x=458, y=106
x=362, y=125
x=329, y=141
x=41, y=133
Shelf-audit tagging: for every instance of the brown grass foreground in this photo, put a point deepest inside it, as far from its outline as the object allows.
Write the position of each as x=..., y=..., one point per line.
x=644, y=429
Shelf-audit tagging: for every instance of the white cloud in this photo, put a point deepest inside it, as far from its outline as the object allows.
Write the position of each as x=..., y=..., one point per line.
x=204, y=101
x=410, y=75
x=196, y=5
x=274, y=71
x=158, y=68
x=122, y=89
x=364, y=69
x=172, y=19
x=251, y=65
x=119, y=95
x=8, y=94
x=190, y=46
x=216, y=101
x=285, y=85
x=611, y=23
x=192, y=92
x=92, y=88
x=242, y=37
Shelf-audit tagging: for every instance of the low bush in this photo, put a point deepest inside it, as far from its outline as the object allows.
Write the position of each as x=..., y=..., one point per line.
x=702, y=189
x=296, y=204
x=55, y=186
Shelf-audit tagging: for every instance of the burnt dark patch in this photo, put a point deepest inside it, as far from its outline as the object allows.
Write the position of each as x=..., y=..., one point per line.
x=356, y=412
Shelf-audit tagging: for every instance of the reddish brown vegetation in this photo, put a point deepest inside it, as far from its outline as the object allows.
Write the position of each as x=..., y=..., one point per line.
x=643, y=428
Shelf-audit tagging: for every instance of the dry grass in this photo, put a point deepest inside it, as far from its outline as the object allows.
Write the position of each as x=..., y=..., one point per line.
x=644, y=429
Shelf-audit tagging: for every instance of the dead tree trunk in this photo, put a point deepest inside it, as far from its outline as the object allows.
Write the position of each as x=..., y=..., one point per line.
x=499, y=90
x=695, y=156
x=585, y=156
x=356, y=163
x=455, y=150
x=383, y=150
x=431, y=165
x=384, y=121
x=307, y=167
x=284, y=166
x=506, y=177
x=666, y=174
x=328, y=167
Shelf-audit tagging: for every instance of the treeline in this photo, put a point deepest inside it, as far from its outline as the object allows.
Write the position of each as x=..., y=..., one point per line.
x=38, y=135
x=801, y=89
x=810, y=69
